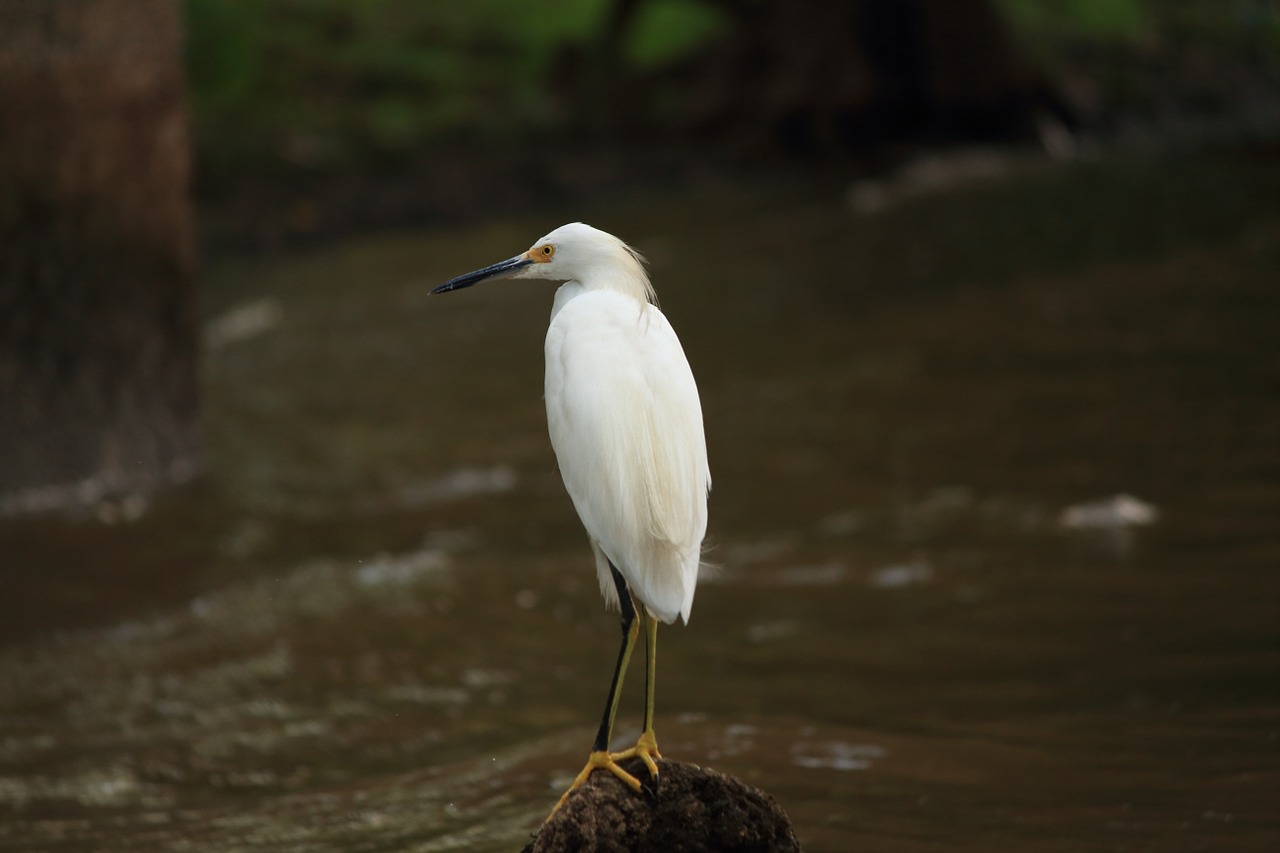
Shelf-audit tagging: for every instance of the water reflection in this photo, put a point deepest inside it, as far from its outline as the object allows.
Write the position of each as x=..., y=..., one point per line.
x=377, y=627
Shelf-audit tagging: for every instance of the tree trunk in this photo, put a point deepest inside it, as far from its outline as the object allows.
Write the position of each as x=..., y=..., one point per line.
x=98, y=341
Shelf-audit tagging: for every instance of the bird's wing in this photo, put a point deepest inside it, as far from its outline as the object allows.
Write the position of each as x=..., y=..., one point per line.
x=626, y=425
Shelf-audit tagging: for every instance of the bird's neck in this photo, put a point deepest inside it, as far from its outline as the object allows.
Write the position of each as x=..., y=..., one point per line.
x=634, y=285
x=564, y=293
x=628, y=279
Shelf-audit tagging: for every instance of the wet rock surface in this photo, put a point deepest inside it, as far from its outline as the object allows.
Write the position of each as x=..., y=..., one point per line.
x=695, y=809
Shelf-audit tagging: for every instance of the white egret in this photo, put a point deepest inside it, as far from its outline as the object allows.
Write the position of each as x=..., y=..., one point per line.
x=626, y=427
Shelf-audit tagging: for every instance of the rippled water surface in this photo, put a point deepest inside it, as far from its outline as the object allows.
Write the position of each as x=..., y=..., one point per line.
x=997, y=480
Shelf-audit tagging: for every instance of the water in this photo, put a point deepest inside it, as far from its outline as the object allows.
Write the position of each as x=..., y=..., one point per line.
x=375, y=625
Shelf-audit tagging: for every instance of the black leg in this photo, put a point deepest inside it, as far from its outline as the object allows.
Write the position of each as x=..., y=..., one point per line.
x=646, y=748
x=620, y=669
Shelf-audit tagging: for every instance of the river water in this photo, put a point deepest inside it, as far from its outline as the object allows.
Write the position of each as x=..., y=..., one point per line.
x=995, y=519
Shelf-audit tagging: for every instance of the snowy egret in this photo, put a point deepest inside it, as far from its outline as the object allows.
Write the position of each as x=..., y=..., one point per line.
x=626, y=427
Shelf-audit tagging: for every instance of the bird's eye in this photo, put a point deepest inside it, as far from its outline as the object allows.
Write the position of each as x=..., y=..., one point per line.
x=548, y=250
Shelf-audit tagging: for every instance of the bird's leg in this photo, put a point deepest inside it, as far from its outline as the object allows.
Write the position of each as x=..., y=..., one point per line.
x=600, y=757
x=646, y=748
x=629, y=630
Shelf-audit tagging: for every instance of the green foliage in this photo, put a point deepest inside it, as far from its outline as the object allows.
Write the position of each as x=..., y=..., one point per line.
x=1049, y=24
x=668, y=29
x=1143, y=53
x=1097, y=19
x=314, y=83
x=325, y=84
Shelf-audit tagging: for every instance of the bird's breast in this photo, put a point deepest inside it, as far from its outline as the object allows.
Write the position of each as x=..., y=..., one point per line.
x=626, y=425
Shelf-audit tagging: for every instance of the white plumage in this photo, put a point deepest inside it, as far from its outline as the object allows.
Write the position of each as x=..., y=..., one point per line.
x=626, y=426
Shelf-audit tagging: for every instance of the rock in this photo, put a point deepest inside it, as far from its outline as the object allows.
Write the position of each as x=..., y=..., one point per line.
x=695, y=810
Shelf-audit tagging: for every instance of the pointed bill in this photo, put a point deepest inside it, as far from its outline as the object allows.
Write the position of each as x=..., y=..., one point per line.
x=501, y=269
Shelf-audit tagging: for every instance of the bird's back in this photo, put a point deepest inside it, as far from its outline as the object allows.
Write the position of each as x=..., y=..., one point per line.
x=626, y=425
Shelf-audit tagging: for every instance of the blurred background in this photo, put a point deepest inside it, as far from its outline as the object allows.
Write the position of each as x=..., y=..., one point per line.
x=981, y=298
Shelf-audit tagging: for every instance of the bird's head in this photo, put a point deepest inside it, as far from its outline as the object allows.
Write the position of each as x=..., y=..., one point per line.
x=573, y=252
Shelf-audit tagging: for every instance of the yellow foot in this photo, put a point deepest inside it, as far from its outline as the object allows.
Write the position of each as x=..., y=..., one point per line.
x=646, y=749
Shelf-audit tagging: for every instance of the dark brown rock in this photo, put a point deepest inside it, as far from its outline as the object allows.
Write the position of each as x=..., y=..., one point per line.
x=695, y=810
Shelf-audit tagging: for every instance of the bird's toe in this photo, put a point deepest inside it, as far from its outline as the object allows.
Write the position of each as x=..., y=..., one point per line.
x=649, y=784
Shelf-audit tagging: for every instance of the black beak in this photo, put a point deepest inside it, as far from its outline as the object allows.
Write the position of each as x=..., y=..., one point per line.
x=498, y=270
